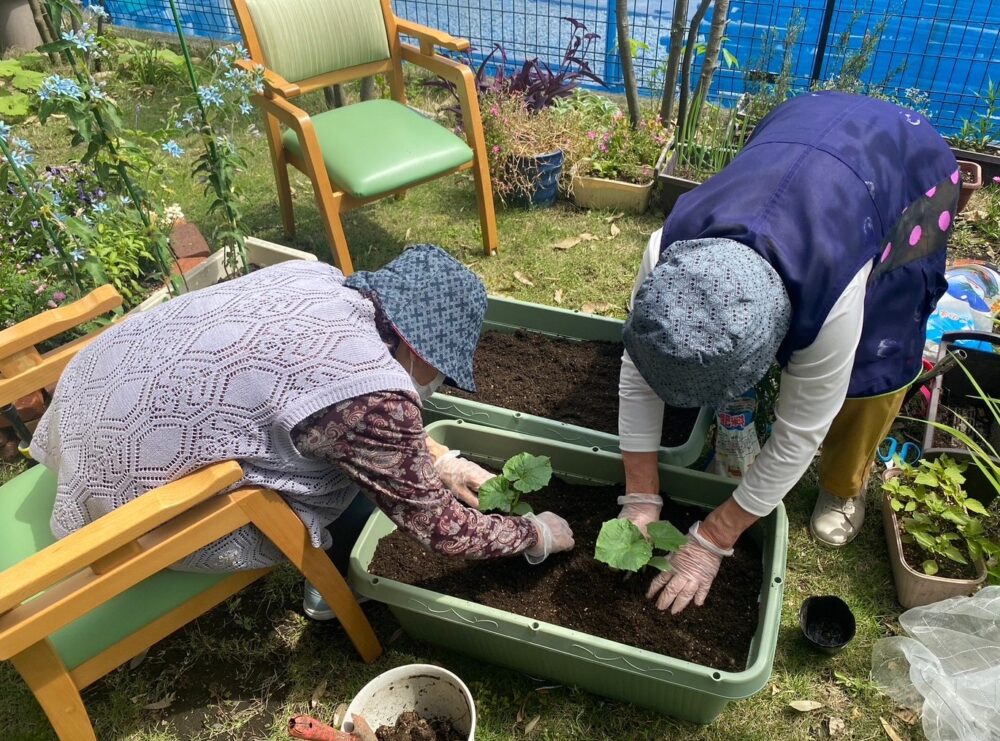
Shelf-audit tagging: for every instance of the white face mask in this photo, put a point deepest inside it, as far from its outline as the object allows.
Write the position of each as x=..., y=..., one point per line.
x=424, y=390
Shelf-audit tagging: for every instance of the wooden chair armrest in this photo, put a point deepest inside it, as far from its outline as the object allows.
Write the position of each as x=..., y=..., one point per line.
x=111, y=532
x=273, y=82
x=430, y=36
x=448, y=69
x=54, y=321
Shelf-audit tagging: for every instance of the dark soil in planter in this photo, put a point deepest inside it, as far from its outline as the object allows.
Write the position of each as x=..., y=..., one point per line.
x=947, y=569
x=411, y=727
x=976, y=418
x=568, y=380
x=827, y=633
x=575, y=591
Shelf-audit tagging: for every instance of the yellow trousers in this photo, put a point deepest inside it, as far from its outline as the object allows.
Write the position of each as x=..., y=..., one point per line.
x=850, y=445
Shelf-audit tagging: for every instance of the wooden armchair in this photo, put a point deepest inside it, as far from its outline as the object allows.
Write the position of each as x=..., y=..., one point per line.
x=74, y=609
x=363, y=152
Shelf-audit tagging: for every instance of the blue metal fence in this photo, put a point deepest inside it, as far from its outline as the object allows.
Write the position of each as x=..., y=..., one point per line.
x=946, y=49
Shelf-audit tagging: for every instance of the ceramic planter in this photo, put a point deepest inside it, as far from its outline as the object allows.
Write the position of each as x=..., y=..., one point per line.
x=915, y=588
x=543, y=171
x=429, y=690
x=213, y=269
x=988, y=161
x=17, y=27
x=972, y=180
x=672, y=186
x=509, y=315
x=610, y=195
x=682, y=689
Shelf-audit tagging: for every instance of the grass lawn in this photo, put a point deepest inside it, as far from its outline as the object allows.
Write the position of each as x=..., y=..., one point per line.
x=242, y=670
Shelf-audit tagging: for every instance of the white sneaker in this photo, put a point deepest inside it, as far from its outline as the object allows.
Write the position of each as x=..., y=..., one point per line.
x=837, y=521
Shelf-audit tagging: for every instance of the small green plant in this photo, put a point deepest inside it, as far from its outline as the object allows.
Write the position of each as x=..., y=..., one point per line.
x=621, y=545
x=522, y=474
x=980, y=132
x=938, y=516
x=149, y=65
x=620, y=152
x=20, y=79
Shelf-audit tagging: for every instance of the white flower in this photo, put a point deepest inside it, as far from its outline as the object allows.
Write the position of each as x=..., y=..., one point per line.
x=173, y=213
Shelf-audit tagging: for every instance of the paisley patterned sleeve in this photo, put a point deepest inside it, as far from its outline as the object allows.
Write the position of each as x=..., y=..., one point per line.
x=378, y=441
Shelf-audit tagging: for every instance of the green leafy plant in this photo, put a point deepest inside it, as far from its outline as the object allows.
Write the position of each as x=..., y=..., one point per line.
x=20, y=79
x=147, y=64
x=938, y=516
x=620, y=152
x=980, y=131
x=522, y=474
x=621, y=544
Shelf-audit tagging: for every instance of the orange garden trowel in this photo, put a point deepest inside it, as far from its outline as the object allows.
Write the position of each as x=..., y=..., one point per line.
x=305, y=727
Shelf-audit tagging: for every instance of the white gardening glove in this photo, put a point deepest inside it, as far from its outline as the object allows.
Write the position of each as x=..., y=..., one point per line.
x=692, y=571
x=554, y=535
x=640, y=509
x=462, y=477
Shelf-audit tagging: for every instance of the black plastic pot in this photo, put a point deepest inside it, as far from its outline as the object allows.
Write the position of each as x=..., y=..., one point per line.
x=827, y=623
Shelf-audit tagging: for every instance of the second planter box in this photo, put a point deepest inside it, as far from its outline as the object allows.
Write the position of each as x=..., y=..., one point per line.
x=509, y=315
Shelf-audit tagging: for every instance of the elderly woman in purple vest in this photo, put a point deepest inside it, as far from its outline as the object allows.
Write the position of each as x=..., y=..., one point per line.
x=822, y=247
x=313, y=383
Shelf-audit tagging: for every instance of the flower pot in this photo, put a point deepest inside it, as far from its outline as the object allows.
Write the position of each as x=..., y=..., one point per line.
x=213, y=269
x=972, y=180
x=610, y=195
x=509, y=315
x=988, y=161
x=543, y=172
x=915, y=588
x=827, y=623
x=678, y=688
x=429, y=690
x=672, y=186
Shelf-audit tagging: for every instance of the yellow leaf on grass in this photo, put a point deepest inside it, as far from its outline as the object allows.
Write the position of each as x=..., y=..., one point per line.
x=615, y=231
x=597, y=308
x=805, y=706
x=522, y=278
x=317, y=694
x=565, y=244
x=889, y=730
x=166, y=702
x=531, y=724
x=835, y=726
x=558, y=296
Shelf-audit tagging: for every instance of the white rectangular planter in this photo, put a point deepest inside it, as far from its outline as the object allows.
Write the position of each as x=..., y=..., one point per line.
x=211, y=271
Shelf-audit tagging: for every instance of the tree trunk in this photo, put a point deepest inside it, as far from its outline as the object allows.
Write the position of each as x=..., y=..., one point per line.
x=628, y=71
x=43, y=25
x=677, y=25
x=711, y=62
x=682, y=106
x=334, y=96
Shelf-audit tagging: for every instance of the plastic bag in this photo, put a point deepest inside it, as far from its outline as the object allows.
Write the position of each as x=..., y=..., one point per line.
x=971, y=303
x=948, y=667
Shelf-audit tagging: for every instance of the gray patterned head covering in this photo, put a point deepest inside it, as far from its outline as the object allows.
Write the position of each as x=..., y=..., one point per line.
x=707, y=322
x=435, y=304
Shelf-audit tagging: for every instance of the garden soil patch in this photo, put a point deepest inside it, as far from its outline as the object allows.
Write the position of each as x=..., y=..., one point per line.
x=575, y=591
x=947, y=569
x=570, y=381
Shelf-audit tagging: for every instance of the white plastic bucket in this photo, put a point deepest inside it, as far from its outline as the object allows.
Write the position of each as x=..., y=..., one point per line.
x=429, y=690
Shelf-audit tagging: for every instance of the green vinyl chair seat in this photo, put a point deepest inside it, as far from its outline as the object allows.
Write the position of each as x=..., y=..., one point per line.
x=25, y=507
x=379, y=146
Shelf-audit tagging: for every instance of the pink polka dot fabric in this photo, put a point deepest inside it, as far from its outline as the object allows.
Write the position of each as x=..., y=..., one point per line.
x=955, y=177
x=931, y=192
x=886, y=252
x=915, y=235
x=944, y=220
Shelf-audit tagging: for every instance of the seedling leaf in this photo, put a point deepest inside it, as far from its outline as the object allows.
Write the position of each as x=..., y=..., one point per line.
x=621, y=545
x=527, y=472
x=660, y=562
x=665, y=536
x=930, y=567
x=496, y=494
x=521, y=508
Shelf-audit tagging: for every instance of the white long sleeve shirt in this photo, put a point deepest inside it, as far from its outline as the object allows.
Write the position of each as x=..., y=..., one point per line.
x=813, y=388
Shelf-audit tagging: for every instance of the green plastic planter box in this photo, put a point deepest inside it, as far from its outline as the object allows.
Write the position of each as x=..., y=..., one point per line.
x=508, y=315
x=677, y=688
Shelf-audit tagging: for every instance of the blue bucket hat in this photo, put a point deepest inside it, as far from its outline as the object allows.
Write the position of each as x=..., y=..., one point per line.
x=707, y=323
x=435, y=304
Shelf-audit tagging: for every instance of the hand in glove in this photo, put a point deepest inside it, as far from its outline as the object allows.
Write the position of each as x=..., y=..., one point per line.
x=692, y=571
x=554, y=535
x=640, y=509
x=462, y=477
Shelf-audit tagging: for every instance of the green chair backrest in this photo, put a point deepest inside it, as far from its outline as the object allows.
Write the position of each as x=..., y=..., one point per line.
x=305, y=38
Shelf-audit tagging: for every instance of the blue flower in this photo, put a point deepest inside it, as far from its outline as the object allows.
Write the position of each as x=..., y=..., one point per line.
x=22, y=144
x=59, y=87
x=56, y=198
x=240, y=51
x=245, y=108
x=21, y=159
x=77, y=255
x=96, y=11
x=126, y=201
x=4, y=131
x=173, y=149
x=82, y=40
x=100, y=208
x=97, y=94
x=210, y=96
